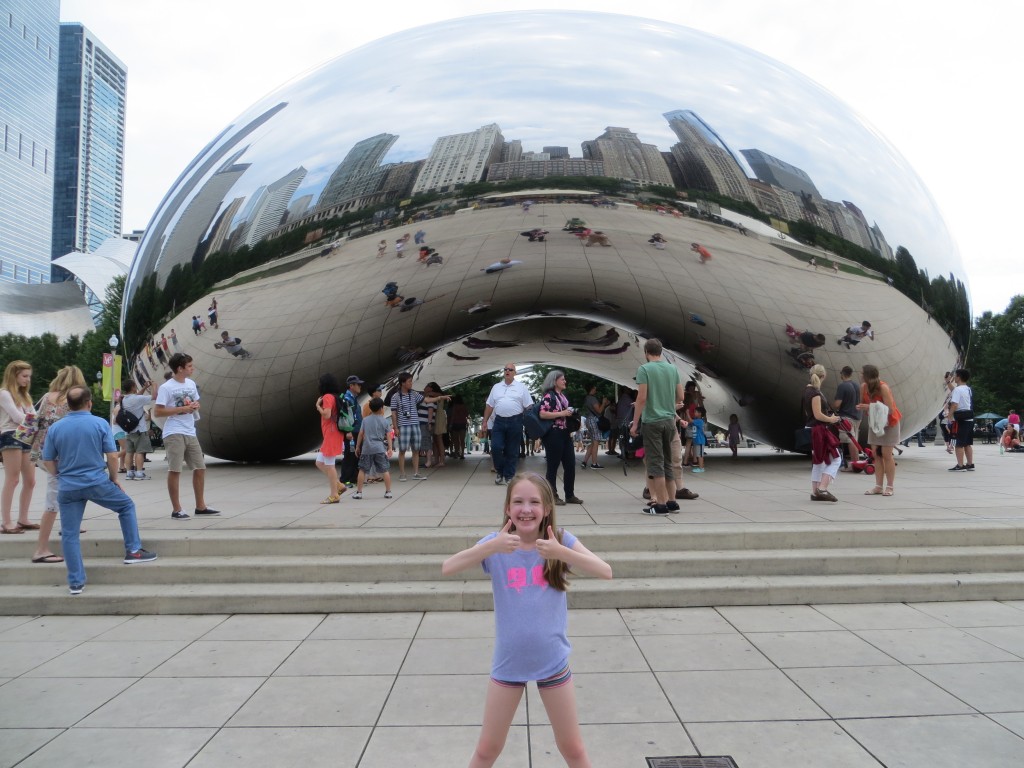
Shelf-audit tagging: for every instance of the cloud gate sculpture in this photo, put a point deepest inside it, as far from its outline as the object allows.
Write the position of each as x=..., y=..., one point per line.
x=536, y=155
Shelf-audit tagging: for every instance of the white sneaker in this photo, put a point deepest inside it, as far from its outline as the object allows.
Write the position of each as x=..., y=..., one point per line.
x=131, y=475
x=356, y=495
x=389, y=495
x=418, y=476
x=140, y=476
x=402, y=478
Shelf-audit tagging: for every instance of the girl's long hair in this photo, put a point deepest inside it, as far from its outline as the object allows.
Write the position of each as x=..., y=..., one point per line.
x=872, y=379
x=67, y=377
x=21, y=395
x=555, y=571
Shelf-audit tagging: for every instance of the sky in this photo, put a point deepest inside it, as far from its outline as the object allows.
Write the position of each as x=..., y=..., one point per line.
x=937, y=79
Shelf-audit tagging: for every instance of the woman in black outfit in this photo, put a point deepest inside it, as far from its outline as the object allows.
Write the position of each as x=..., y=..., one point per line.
x=558, y=446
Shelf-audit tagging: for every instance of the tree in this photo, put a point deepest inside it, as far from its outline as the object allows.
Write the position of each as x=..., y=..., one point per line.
x=997, y=358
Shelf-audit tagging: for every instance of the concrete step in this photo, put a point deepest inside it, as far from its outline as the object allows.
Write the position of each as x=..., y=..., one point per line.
x=603, y=539
x=247, y=571
x=626, y=565
x=475, y=595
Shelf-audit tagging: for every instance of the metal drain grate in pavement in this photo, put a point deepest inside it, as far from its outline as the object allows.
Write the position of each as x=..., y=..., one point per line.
x=691, y=762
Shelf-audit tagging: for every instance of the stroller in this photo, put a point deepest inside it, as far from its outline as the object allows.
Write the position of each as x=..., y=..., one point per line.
x=866, y=461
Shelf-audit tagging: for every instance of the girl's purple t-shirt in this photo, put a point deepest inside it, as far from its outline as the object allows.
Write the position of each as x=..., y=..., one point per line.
x=529, y=616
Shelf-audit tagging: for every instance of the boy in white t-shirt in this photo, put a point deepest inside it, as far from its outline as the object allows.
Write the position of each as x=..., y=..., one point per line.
x=177, y=401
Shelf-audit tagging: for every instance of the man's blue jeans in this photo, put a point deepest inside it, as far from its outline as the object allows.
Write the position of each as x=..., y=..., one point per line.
x=506, y=440
x=72, y=509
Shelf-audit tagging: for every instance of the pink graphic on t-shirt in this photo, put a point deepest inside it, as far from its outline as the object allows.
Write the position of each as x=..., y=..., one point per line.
x=516, y=578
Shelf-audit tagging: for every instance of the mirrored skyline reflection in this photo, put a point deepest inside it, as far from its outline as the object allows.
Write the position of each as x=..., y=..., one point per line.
x=557, y=79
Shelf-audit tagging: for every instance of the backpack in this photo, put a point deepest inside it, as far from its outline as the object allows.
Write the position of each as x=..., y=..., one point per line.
x=536, y=427
x=346, y=418
x=126, y=420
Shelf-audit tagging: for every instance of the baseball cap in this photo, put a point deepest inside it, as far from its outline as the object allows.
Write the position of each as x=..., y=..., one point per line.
x=354, y=380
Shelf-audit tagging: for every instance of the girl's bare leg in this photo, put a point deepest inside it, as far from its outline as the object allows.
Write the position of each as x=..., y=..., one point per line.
x=499, y=710
x=560, y=704
x=28, y=485
x=12, y=476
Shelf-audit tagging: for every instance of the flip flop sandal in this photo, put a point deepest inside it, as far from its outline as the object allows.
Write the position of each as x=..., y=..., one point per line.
x=29, y=526
x=331, y=500
x=888, y=491
x=876, y=491
x=11, y=531
x=48, y=559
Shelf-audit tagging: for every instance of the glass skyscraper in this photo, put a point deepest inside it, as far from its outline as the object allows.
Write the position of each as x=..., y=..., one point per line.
x=88, y=191
x=28, y=98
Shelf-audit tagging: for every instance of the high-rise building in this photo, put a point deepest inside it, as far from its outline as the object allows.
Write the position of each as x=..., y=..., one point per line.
x=88, y=188
x=772, y=170
x=557, y=153
x=29, y=49
x=364, y=158
x=460, y=159
x=705, y=161
x=624, y=156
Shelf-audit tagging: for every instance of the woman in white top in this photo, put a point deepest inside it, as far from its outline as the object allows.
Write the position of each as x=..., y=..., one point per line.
x=15, y=404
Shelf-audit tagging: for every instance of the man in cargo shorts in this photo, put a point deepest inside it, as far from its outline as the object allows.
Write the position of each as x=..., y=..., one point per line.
x=658, y=391
x=177, y=401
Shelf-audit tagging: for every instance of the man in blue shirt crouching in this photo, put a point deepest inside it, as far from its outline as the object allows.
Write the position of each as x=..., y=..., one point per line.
x=74, y=451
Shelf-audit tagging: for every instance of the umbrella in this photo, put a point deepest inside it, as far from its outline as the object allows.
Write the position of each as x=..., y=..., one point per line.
x=989, y=416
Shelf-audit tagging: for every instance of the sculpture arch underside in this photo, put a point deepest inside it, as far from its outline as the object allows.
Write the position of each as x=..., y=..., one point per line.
x=747, y=323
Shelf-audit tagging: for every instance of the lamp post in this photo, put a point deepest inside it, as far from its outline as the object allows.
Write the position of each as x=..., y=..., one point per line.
x=115, y=386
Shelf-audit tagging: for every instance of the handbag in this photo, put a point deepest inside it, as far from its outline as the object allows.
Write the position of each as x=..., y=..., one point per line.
x=573, y=423
x=536, y=427
x=440, y=422
x=26, y=431
x=802, y=440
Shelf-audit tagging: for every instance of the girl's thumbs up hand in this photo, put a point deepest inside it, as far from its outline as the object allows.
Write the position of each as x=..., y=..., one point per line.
x=506, y=540
x=549, y=547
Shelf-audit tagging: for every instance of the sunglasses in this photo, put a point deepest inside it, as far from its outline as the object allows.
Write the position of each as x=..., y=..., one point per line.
x=510, y=370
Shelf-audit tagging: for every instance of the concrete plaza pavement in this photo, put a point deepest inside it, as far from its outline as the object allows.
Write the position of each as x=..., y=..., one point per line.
x=851, y=686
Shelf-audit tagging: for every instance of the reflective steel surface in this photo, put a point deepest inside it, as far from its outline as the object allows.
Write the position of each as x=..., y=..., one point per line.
x=280, y=220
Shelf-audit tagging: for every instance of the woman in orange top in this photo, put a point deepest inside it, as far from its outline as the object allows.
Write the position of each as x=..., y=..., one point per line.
x=874, y=390
x=333, y=445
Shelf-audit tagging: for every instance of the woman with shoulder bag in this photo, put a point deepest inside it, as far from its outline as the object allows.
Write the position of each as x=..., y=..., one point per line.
x=883, y=432
x=17, y=428
x=558, y=444
x=826, y=458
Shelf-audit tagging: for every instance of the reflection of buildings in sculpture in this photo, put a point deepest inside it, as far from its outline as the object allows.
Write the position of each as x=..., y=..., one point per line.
x=183, y=245
x=557, y=153
x=148, y=257
x=846, y=223
x=88, y=169
x=219, y=239
x=270, y=206
x=364, y=158
x=538, y=169
x=772, y=170
x=460, y=158
x=704, y=159
x=625, y=157
x=776, y=201
x=388, y=183
x=299, y=207
x=511, y=151
x=28, y=50
x=879, y=244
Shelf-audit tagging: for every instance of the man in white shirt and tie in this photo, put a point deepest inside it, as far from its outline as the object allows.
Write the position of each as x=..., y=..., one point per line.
x=508, y=400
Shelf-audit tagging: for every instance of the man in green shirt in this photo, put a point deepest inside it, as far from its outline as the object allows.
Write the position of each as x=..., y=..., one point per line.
x=658, y=391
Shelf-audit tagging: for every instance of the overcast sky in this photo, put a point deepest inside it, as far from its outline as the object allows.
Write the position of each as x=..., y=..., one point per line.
x=937, y=79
